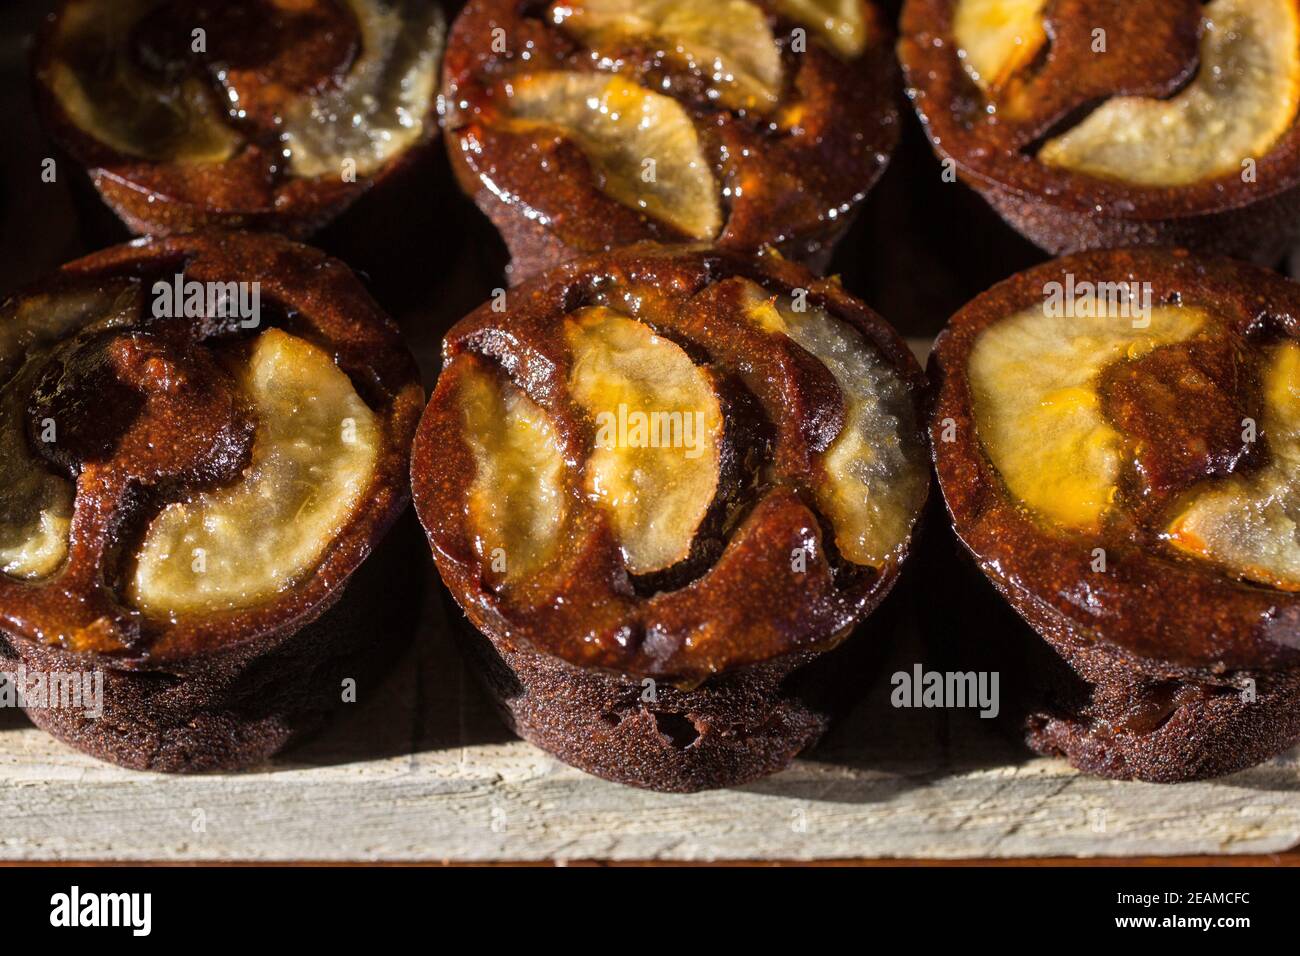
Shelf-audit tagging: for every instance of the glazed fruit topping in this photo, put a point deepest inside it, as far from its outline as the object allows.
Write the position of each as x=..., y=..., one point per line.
x=1036, y=397
x=1172, y=429
x=730, y=42
x=1243, y=98
x=873, y=482
x=1251, y=523
x=517, y=499
x=654, y=466
x=311, y=461
x=187, y=466
x=998, y=37
x=1159, y=95
x=660, y=432
x=195, y=81
x=840, y=22
x=643, y=145
x=699, y=119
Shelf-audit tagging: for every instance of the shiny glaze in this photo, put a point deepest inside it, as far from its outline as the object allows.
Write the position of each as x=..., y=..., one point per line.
x=734, y=601
x=273, y=53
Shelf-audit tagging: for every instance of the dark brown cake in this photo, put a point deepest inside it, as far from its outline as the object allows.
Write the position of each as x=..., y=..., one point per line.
x=1100, y=123
x=191, y=475
x=650, y=601
x=264, y=114
x=579, y=127
x=1113, y=434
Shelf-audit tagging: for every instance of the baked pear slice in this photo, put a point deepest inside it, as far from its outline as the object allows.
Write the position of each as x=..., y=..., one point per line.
x=642, y=145
x=728, y=41
x=1037, y=407
x=1251, y=525
x=998, y=37
x=312, y=459
x=654, y=466
x=1243, y=98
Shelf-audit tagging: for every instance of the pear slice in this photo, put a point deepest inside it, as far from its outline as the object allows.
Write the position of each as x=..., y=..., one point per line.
x=875, y=468
x=658, y=428
x=996, y=38
x=1251, y=525
x=105, y=94
x=517, y=499
x=840, y=22
x=727, y=40
x=642, y=145
x=313, y=458
x=382, y=106
x=1033, y=380
x=1243, y=98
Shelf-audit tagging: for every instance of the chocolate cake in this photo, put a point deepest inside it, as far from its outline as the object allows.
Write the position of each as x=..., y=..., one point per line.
x=1093, y=124
x=1115, y=435
x=665, y=485
x=263, y=114
x=203, y=438
x=583, y=125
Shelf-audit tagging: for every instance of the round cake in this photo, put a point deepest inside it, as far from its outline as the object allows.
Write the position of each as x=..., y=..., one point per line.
x=203, y=438
x=663, y=485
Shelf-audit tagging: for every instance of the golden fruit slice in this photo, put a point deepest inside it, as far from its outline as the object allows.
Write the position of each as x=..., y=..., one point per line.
x=658, y=426
x=35, y=504
x=1251, y=524
x=727, y=40
x=875, y=469
x=104, y=93
x=1033, y=380
x=517, y=499
x=995, y=38
x=313, y=459
x=383, y=104
x=642, y=145
x=840, y=22
x=1243, y=98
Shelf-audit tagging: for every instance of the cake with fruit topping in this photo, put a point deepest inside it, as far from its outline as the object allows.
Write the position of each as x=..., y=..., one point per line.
x=1122, y=465
x=185, y=490
x=1097, y=123
x=273, y=114
x=583, y=125
x=665, y=487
